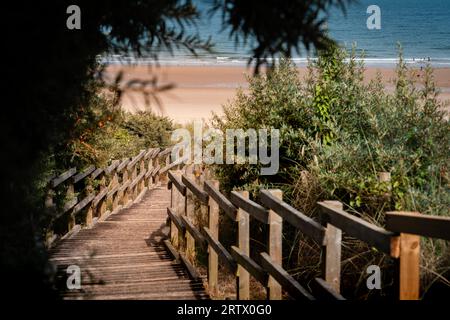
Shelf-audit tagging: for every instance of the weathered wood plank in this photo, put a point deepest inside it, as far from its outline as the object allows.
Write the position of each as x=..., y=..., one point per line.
x=213, y=223
x=113, y=191
x=123, y=164
x=357, y=227
x=70, y=204
x=193, y=231
x=80, y=176
x=124, y=186
x=99, y=197
x=131, y=260
x=112, y=166
x=221, y=200
x=220, y=250
x=175, y=218
x=332, y=252
x=255, y=210
x=193, y=274
x=297, y=219
x=324, y=291
x=201, y=195
x=97, y=173
x=155, y=170
x=137, y=180
x=251, y=266
x=63, y=177
x=83, y=203
x=243, y=241
x=423, y=225
x=285, y=279
x=136, y=159
x=165, y=152
x=274, y=245
x=173, y=252
x=409, y=266
x=177, y=182
x=170, y=166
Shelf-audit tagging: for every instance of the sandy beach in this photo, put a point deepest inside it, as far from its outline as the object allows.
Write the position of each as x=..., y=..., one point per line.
x=201, y=90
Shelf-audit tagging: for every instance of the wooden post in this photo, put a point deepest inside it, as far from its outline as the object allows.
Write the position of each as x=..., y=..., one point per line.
x=175, y=197
x=101, y=208
x=89, y=216
x=69, y=195
x=275, y=247
x=150, y=178
x=409, y=266
x=213, y=225
x=133, y=190
x=141, y=170
x=156, y=179
x=331, y=267
x=190, y=214
x=242, y=276
x=49, y=206
x=125, y=194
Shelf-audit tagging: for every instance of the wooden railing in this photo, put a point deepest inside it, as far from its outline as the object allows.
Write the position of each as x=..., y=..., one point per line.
x=396, y=241
x=95, y=193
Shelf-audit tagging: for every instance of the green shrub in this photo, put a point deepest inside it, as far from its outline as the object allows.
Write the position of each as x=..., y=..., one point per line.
x=336, y=134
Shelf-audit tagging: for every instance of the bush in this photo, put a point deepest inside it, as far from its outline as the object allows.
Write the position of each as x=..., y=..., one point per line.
x=336, y=134
x=118, y=134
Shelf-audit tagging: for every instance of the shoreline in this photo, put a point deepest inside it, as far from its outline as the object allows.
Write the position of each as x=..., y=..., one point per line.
x=200, y=90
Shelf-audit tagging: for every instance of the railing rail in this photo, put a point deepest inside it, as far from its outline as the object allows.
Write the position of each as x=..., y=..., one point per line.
x=273, y=212
x=94, y=193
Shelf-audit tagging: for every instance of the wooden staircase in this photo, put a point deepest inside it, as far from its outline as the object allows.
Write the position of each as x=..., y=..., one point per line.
x=123, y=257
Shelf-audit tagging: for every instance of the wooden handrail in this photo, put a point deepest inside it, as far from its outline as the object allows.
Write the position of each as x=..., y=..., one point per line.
x=195, y=189
x=356, y=227
x=221, y=200
x=255, y=210
x=112, y=166
x=220, y=250
x=177, y=183
x=199, y=238
x=97, y=173
x=176, y=220
x=297, y=219
x=63, y=177
x=136, y=159
x=123, y=164
x=80, y=176
x=165, y=152
x=83, y=203
x=113, y=188
x=251, y=266
x=423, y=225
x=285, y=279
x=325, y=291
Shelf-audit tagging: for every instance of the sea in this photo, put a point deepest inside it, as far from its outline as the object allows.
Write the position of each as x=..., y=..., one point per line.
x=422, y=27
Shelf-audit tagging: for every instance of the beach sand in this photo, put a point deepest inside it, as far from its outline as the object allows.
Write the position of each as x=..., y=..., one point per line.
x=201, y=90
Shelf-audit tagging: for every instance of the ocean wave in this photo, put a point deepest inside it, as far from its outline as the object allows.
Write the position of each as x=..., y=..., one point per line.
x=243, y=61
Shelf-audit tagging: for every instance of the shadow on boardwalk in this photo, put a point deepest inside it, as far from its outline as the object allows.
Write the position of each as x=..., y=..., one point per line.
x=123, y=257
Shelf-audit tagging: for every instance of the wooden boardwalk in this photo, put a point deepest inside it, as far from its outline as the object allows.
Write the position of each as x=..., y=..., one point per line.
x=123, y=256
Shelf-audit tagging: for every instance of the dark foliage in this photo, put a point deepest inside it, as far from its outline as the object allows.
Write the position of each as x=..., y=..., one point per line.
x=275, y=27
x=51, y=76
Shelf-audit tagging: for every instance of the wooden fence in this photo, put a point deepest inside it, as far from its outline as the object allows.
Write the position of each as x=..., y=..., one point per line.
x=399, y=240
x=94, y=193
x=77, y=199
